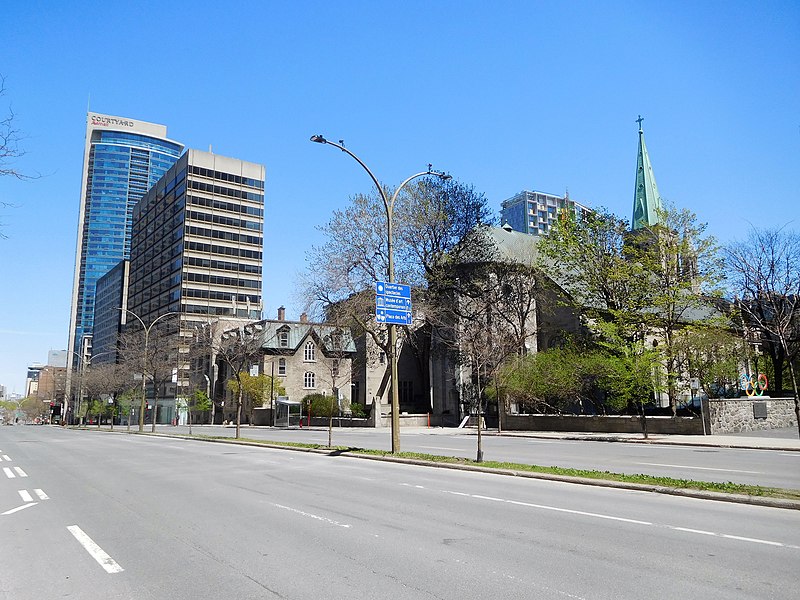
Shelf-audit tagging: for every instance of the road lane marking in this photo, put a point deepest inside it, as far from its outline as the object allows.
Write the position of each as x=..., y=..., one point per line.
x=317, y=517
x=41, y=494
x=95, y=551
x=701, y=468
x=19, y=508
x=625, y=520
x=26, y=497
x=699, y=531
x=747, y=539
x=9, y=473
x=20, y=472
x=5, y=457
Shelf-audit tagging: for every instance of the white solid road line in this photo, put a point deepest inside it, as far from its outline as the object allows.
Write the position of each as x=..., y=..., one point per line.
x=95, y=551
x=700, y=468
x=19, y=508
x=9, y=473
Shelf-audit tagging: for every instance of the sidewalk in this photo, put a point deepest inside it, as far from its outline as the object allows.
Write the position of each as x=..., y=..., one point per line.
x=750, y=442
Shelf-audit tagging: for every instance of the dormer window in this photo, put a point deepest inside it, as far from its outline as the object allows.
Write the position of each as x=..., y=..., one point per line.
x=283, y=339
x=309, y=352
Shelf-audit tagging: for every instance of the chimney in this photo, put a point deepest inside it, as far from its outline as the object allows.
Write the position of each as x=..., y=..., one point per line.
x=304, y=318
x=281, y=313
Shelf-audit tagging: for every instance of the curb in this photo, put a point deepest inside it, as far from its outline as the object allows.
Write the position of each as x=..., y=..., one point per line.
x=655, y=442
x=640, y=487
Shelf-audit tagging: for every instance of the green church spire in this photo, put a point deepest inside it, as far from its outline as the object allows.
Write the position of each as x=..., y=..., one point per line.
x=647, y=207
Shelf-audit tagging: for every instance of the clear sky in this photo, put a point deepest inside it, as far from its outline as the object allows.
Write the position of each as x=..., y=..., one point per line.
x=503, y=95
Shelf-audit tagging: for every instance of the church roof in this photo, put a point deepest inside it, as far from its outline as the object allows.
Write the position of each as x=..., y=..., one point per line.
x=647, y=208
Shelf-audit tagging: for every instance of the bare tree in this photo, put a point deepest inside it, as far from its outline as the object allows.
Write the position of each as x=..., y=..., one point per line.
x=10, y=137
x=239, y=349
x=153, y=354
x=765, y=275
x=432, y=220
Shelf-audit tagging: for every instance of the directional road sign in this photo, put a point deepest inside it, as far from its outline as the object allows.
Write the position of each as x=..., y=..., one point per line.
x=398, y=290
x=392, y=303
x=396, y=317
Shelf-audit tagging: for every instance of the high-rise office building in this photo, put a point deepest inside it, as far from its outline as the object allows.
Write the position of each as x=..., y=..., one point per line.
x=123, y=158
x=535, y=212
x=197, y=248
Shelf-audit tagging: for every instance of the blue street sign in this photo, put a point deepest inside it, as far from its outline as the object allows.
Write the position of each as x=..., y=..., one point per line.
x=396, y=317
x=393, y=302
x=398, y=290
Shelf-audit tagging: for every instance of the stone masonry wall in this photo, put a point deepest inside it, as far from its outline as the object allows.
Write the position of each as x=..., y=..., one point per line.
x=736, y=415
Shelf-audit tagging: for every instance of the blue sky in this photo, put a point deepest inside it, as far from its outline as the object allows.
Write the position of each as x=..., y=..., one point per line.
x=503, y=95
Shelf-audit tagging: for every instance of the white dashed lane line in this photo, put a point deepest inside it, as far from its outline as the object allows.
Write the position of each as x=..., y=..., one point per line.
x=699, y=468
x=609, y=517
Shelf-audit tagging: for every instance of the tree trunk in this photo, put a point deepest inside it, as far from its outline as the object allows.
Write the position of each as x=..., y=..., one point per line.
x=238, y=408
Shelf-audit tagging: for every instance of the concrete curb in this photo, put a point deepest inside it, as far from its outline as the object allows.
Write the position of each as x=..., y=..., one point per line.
x=654, y=442
x=640, y=487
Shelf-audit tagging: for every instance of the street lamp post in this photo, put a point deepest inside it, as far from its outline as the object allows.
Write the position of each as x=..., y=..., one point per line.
x=147, y=329
x=389, y=206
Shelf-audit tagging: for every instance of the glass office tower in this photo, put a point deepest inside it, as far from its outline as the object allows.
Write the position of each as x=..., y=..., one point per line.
x=123, y=158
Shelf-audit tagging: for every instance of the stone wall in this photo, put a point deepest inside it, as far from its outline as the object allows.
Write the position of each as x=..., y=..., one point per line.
x=734, y=415
x=607, y=424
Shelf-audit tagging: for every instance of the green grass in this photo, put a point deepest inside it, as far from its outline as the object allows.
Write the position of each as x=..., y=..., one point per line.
x=667, y=482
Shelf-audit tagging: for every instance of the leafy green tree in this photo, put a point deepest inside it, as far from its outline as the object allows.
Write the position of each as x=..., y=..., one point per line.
x=713, y=355
x=632, y=287
x=256, y=390
x=683, y=268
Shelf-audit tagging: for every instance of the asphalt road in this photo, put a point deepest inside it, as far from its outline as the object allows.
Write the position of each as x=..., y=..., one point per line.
x=770, y=468
x=139, y=517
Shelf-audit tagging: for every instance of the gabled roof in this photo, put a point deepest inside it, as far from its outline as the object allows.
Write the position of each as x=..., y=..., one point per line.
x=298, y=332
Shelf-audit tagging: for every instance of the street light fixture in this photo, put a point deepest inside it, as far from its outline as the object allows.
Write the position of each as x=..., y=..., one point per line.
x=389, y=206
x=147, y=329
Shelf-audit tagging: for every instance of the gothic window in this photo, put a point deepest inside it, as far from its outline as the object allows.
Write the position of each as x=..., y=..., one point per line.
x=309, y=352
x=309, y=381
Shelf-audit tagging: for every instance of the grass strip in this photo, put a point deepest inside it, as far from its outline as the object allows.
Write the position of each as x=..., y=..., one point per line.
x=669, y=482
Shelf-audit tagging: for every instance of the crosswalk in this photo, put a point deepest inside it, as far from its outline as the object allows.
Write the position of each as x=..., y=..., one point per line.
x=26, y=495
x=16, y=472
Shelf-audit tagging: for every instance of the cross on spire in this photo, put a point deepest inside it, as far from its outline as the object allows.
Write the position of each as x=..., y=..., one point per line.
x=639, y=121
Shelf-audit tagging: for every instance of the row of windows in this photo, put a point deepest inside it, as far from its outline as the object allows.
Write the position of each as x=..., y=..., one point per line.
x=215, y=295
x=224, y=235
x=203, y=309
x=222, y=220
x=216, y=280
x=223, y=265
x=229, y=206
x=256, y=183
x=225, y=250
x=225, y=191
